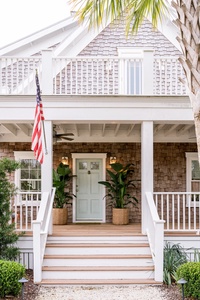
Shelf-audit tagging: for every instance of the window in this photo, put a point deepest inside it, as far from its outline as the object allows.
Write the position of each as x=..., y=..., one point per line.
x=28, y=177
x=130, y=71
x=192, y=176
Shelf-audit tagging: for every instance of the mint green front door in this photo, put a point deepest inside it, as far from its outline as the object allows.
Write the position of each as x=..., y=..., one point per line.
x=88, y=191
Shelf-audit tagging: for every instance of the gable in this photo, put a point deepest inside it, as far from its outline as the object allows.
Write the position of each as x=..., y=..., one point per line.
x=113, y=37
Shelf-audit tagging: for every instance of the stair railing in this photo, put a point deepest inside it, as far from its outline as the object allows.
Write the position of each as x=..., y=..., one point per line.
x=155, y=234
x=41, y=227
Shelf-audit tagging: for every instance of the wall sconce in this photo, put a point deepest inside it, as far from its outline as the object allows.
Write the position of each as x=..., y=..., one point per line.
x=65, y=160
x=113, y=160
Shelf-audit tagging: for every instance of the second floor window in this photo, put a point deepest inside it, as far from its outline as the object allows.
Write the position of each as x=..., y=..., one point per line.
x=130, y=71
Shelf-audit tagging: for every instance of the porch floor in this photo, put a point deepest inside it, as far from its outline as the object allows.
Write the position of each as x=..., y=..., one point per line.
x=96, y=229
x=107, y=229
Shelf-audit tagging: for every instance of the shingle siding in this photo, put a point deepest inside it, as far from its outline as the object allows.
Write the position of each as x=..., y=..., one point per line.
x=169, y=164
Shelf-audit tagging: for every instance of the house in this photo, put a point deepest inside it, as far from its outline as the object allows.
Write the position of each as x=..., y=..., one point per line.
x=120, y=97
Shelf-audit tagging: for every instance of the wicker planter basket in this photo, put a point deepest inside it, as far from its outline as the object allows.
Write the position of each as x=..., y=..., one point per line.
x=60, y=216
x=120, y=216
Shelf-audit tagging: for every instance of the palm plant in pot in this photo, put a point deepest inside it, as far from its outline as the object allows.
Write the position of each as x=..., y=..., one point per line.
x=120, y=190
x=62, y=177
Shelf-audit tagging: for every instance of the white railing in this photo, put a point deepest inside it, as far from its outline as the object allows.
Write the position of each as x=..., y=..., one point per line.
x=25, y=210
x=17, y=74
x=155, y=234
x=180, y=210
x=41, y=227
x=167, y=74
x=93, y=75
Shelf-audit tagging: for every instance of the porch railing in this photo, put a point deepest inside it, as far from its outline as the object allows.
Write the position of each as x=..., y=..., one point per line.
x=155, y=234
x=25, y=210
x=41, y=227
x=181, y=211
x=92, y=75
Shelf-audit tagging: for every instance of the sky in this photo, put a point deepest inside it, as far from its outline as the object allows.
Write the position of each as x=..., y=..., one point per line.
x=20, y=18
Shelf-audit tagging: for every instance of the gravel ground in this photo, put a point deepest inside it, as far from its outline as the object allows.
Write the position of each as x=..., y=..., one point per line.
x=139, y=292
x=132, y=292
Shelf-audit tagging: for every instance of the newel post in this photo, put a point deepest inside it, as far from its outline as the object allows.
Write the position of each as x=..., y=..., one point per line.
x=37, y=252
x=147, y=72
x=159, y=250
x=47, y=72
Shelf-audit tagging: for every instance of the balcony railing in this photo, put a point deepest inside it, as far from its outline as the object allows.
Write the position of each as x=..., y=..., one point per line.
x=92, y=75
x=181, y=211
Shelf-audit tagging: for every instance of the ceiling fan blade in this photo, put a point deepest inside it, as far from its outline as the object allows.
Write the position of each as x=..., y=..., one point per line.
x=66, y=138
x=64, y=134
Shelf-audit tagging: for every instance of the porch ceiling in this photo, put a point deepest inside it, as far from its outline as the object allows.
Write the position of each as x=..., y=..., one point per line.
x=103, y=132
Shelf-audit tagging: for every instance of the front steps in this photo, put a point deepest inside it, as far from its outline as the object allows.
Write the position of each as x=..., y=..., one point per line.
x=97, y=260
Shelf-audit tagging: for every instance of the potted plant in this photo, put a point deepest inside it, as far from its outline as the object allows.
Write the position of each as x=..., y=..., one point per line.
x=61, y=178
x=120, y=189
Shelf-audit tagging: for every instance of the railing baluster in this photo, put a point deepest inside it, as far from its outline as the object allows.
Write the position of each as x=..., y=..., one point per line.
x=178, y=212
x=184, y=211
x=189, y=213
x=194, y=212
x=162, y=207
x=173, y=213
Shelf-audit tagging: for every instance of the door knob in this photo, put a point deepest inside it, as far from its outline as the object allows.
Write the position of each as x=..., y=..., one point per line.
x=89, y=172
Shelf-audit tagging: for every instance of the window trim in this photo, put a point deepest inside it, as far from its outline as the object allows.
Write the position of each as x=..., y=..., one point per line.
x=189, y=157
x=126, y=53
x=19, y=155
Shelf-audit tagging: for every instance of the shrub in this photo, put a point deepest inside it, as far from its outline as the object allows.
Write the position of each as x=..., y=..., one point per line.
x=191, y=273
x=8, y=237
x=10, y=273
x=174, y=256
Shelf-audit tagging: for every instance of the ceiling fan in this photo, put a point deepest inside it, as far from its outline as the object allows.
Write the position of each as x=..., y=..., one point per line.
x=61, y=136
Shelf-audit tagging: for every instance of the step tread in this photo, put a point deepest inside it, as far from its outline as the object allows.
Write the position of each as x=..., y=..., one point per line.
x=101, y=256
x=98, y=282
x=96, y=245
x=99, y=268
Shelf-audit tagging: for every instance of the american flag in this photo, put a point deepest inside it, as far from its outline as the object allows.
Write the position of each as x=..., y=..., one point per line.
x=37, y=129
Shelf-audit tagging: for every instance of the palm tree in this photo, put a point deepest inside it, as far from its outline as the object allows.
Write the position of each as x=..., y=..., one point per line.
x=188, y=23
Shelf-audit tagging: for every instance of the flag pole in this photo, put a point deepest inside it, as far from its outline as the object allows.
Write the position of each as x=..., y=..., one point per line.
x=44, y=136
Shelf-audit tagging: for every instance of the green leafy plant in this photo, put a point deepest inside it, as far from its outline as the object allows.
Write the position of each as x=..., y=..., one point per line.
x=191, y=273
x=121, y=186
x=10, y=273
x=174, y=256
x=8, y=237
x=62, y=176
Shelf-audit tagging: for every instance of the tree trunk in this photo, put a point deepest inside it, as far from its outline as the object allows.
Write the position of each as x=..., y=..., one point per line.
x=188, y=23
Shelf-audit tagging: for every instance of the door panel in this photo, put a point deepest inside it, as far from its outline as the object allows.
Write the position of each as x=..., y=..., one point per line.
x=89, y=192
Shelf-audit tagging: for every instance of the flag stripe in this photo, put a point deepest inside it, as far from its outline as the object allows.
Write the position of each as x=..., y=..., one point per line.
x=37, y=128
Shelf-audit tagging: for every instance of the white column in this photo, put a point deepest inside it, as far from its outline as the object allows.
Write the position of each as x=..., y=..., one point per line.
x=147, y=72
x=47, y=165
x=146, y=166
x=47, y=72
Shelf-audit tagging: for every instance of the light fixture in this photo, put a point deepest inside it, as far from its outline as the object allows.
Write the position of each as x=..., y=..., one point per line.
x=182, y=281
x=65, y=160
x=113, y=160
x=23, y=281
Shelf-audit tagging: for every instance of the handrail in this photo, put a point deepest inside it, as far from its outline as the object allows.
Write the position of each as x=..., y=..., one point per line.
x=155, y=234
x=41, y=228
